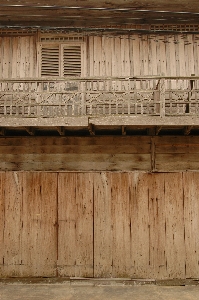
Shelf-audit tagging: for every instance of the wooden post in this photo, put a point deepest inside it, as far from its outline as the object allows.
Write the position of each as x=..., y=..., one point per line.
x=162, y=97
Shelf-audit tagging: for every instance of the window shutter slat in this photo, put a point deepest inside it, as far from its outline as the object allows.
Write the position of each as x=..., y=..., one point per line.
x=50, y=61
x=72, y=60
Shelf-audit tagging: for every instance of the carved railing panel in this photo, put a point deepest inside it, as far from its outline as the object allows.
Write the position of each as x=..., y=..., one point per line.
x=48, y=98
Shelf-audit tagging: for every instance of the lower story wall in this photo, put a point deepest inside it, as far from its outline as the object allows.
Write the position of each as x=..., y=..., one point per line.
x=99, y=224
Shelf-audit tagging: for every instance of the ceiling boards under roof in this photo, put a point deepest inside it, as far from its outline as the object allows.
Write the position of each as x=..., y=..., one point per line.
x=88, y=13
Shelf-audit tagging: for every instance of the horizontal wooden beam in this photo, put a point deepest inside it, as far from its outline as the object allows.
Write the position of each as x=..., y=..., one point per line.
x=47, y=122
x=145, y=121
x=109, y=121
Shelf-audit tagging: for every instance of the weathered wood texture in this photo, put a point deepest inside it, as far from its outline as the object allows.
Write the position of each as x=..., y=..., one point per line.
x=18, y=57
x=75, y=219
x=28, y=216
x=143, y=55
x=100, y=153
x=126, y=55
x=96, y=13
x=75, y=153
x=176, y=153
x=104, y=224
x=146, y=225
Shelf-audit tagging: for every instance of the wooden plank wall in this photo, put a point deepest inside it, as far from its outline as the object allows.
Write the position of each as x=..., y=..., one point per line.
x=176, y=153
x=103, y=224
x=18, y=57
x=75, y=153
x=75, y=220
x=28, y=215
x=100, y=153
x=133, y=55
x=129, y=55
x=146, y=225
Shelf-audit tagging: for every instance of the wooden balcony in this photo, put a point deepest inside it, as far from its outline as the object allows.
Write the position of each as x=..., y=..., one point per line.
x=110, y=101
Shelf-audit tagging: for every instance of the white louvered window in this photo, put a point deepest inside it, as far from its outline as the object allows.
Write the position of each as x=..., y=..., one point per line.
x=61, y=60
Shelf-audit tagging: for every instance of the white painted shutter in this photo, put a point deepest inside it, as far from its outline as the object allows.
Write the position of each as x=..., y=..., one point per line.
x=72, y=60
x=50, y=59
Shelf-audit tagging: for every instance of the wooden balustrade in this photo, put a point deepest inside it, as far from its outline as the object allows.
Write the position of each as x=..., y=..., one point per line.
x=134, y=96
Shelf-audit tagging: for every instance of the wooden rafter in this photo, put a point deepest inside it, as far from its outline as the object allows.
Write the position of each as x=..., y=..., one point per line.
x=30, y=130
x=187, y=130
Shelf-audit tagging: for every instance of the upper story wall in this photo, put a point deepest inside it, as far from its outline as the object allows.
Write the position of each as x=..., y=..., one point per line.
x=133, y=55
x=18, y=57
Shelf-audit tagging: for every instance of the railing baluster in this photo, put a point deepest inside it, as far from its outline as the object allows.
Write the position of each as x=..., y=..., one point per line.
x=162, y=97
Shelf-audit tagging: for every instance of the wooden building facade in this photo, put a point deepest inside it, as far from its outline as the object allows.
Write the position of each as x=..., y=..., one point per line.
x=99, y=146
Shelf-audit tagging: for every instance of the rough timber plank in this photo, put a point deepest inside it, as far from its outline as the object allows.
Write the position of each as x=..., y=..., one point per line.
x=144, y=120
x=2, y=220
x=12, y=255
x=191, y=223
x=157, y=237
x=140, y=241
x=75, y=162
x=49, y=122
x=39, y=232
x=75, y=220
x=75, y=153
x=111, y=225
x=174, y=226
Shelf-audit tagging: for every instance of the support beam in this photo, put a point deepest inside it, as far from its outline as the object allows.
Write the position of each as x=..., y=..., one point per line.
x=61, y=130
x=187, y=130
x=91, y=129
x=123, y=130
x=157, y=130
x=30, y=130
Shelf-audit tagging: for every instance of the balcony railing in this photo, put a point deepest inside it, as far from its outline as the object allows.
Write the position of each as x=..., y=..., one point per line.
x=49, y=98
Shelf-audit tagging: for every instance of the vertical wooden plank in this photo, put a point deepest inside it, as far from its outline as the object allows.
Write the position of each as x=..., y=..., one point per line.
x=120, y=215
x=174, y=226
x=191, y=223
x=14, y=57
x=137, y=56
x=32, y=56
x=13, y=224
x=131, y=54
x=162, y=56
x=6, y=57
x=108, y=56
x=140, y=242
x=152, y=56
x=157, y=239
x=182, y=69
x=196, y=54
x=75, y=218
x=97, y=55
x=189, y=55
x=111, y=225
x=103, y=229
x=22, y=42
x=91, y=56
x=2, y=221
x=39, y=231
